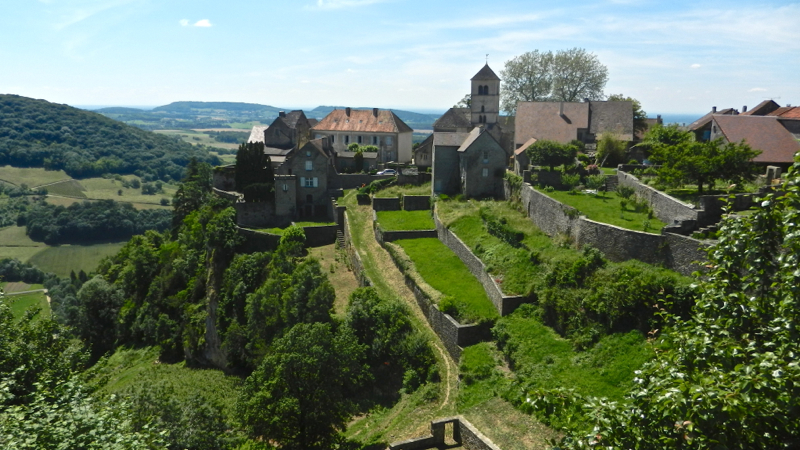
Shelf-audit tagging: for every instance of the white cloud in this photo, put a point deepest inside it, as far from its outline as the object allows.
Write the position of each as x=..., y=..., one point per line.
x=203, y=23
x=336, y=4
x=695, y=66
x=184, y=22
x=757, y=89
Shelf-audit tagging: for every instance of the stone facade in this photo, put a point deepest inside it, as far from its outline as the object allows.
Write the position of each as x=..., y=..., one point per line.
x=381, y=128
x=482, y=163
x=312, y=167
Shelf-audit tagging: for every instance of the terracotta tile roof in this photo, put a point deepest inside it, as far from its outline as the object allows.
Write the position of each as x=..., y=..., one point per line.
x=541, y=120
x=762, y=109
x=454, y=118
x=705, y=120
x=525, y=146
x=257, y=134
x=362, y=120
x=486, y=73
x=763, y=133
x=787, y=112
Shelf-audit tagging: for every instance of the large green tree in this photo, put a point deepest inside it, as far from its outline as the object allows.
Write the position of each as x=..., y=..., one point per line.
x=301, y=394
x=578, y=74
x=526, y=78
x=551, y=153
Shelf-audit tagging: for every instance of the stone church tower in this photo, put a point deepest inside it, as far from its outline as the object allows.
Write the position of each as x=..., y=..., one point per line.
x=485, y=107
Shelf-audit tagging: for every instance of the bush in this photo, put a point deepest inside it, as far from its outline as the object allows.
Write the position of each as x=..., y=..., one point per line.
x=500, y=229
x=625, y=191
x=570, y=181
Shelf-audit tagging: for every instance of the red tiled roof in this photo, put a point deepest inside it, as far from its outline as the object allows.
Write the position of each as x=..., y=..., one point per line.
x=762, y=109
x=362, y=120
x=787, y=112
x=705, y=120
x=763, y=133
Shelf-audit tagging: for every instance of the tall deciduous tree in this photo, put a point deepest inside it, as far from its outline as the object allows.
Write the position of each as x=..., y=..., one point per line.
x=301, y=394
x=578, y=74
x=526, y=78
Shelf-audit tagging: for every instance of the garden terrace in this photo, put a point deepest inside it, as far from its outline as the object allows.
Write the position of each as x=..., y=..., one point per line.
x=406, y=189
x=405, y=220
x=464, y=297
x=610, y=208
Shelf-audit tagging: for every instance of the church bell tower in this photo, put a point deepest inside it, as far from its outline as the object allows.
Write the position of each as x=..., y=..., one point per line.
x=485, y=103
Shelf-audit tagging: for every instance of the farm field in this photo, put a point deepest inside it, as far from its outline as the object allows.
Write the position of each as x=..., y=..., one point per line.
x=405, y=220
x=31, y=176
x=21, y=303
x=196, y=137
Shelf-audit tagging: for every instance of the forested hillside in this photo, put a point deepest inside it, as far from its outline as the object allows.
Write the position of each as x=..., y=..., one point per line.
x=37, y=133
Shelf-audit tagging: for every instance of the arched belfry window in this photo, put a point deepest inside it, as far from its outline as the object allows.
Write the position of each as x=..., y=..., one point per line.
x=485, y=90
x=482, y=108
x=480, y=90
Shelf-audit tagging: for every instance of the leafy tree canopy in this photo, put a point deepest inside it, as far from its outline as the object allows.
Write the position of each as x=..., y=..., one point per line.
x=551, y=153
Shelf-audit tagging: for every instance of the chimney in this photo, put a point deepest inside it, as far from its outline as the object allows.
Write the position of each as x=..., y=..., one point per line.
x=347, y=111
x=713, y=109
x=282, y=113
x=375, y=112
x=744, y=108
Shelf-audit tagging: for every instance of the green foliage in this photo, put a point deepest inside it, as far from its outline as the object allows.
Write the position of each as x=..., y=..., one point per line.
x=35, y=133
x=625, y=192
x=377, y=185
x=499, y=227
x=551, y=153
x=300, y=395
x=727, y=375
x=253, y=168
x=596, y=182
x=570, y=181
x=527, y=78
x=609, y=150
x=515, y=185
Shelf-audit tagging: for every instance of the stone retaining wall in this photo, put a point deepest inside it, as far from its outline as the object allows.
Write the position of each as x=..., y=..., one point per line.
x=505, y=304
x=382, y=235
x=355, y=259
x=319, y=236
x=416, y=202
x=666, y=208
x=229, y=195
x=464, y=433
x=386, y=203
x=675, y=252
x=353, y=181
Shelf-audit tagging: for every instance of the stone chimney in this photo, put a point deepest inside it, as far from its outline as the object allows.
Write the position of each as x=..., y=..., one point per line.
x=744, y=108
x=347, y=111
x=282, y=113
x=713, y=109
x=375, y=112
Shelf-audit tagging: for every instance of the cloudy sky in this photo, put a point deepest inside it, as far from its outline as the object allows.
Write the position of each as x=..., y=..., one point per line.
x=675, y=57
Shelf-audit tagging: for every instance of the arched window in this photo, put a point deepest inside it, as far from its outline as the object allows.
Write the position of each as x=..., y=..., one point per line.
x=480, y=90
x=486, y=90
x=482, y=108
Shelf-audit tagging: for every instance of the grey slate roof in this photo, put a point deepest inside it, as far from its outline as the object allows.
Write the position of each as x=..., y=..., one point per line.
x=473, y=135
x=449, y=139
x=705, y=120
x=293, y=117
x=486, y=73
x=273, y=151
x=613, y=117
x=454, y=118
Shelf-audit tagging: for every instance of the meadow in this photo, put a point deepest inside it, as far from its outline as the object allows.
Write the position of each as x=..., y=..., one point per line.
x=22, y=302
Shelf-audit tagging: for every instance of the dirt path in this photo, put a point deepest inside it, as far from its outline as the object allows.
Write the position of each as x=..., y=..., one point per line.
x=384, y=274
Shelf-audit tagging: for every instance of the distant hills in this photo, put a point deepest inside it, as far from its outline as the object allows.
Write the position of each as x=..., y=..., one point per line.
x=188, y=115
x=37, y=133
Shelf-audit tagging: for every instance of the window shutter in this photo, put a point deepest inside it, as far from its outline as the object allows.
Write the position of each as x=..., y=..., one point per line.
x=316, y=182
x=303, y=181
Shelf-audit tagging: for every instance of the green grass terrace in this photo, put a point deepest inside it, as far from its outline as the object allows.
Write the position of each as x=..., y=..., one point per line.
x=445, y=272
x=405, y=220
x=606, y=207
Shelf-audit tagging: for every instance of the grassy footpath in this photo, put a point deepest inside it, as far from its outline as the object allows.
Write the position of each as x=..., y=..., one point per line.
x=444, y=271
x=411, y=417
x=405, y=220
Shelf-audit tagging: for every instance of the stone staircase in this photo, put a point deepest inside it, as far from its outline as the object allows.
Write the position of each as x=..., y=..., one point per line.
x=611, y=183
x=339, y=239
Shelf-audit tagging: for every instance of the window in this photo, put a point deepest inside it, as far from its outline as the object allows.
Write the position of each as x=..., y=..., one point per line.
x=346, y=140
x=308, y=152
x=309, y=165
x=388, y=140
x=482, y=109
x=309, y=182
x=485, y=156
x=374, y=140
x=485, y=90
x=285, y=187
x=359, y=139
x=480, y=90
x=485, y=172
x=333, y=139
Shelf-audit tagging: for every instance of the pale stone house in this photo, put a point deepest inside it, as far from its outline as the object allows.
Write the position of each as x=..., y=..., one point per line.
x=381, y=128
x=309, y=170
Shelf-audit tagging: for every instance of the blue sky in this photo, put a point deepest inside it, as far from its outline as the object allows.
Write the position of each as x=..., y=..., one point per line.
x=675, y=57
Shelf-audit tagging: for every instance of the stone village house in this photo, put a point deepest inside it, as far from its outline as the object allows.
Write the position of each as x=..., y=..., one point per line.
x=381, y=128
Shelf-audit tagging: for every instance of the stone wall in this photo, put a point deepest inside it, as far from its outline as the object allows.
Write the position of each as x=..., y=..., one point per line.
x=505, y=304
x=228, y=195
x=675, y=252
x=666, y=208
x=223, y=178
x=386, y=203
x=464, y=434
x=413, y=179
x=712, y=205
x=454, y=335
x=259, y=215
x=382, y=235
x=257, y=241
x=321, y=235
x=416, y=202
x=355, y=259
x=352, y=181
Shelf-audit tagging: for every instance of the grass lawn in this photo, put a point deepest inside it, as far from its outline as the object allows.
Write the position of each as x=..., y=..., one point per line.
x=606, y=209
x=442, y=269
x=31, y=176
x=21, y=303
x=405, y=220
x=63, y=259
x=545, y=360
x=512, y=266
x=406, y=189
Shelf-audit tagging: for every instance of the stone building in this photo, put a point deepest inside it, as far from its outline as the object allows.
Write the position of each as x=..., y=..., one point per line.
x=285, y=133
x=468, y=155
x=381, y=128
x=309, y=169
x=423, y=154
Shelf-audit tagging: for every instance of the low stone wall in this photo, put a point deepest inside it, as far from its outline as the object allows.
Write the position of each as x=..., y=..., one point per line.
x=257, y=241
x=416, y=180
x=666, y=208
x=319, y=236
x=382, y=235
x=386, y=203
x=355, y=259
x=259, y=215
x=454, y=335
x=416, y=202
x=353, y=181
x=464, y=434
x=505, y=304
x=675, y=252
x=228, y=195
x=712, y=205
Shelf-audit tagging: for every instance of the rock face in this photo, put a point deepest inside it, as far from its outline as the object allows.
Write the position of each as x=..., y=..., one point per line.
x=212, y=351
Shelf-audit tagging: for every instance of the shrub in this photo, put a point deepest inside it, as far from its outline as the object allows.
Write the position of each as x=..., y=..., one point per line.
x=625, y=192
x=570, y=181
x=500, y=229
